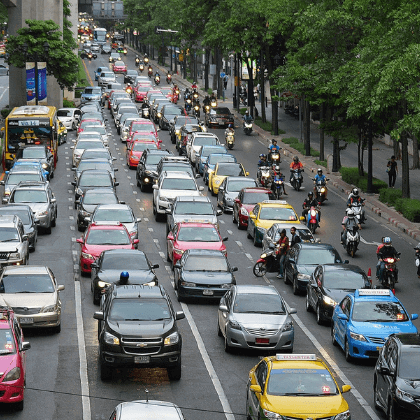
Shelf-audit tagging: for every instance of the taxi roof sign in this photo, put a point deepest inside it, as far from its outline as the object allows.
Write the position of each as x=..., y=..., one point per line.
x=274, y=202
x=296, y=357
x=374, y=292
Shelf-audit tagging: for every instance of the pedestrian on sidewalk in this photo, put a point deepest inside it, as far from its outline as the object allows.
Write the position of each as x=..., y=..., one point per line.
x=392, y=169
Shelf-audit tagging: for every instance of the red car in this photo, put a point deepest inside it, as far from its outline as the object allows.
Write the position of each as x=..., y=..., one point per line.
x=12, y=359
x=142, y=125
x=136, y=148
x=85, y=123
x=144, y=135
x=193, y=236
x=246, y=201
x=101, y=237
x=140, y=91
x=119, y=67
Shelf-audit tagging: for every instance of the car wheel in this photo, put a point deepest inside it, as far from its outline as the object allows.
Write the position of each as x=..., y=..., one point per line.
x=54, y=221
x=390, y=412
x=174, y=372
x=142, y=187
x=52, y=173
x=333, y=340
x=238, y=223
x=19, y=405
x=219, y=331
x=73, y=126
x=308, y=304
x=228, y=349
x=347, y=351
x=319, y=319
x=106, y=372
x=248, y=235
x=295, y=287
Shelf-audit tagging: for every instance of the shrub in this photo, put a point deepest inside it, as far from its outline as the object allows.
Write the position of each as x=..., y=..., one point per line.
x=351, y=176
x=389, y=195
x=377, y=184
x=68, y=104
x=410, y=208
x=5, y=112
x=321, y=162
x=300, y=147
x=242, y=111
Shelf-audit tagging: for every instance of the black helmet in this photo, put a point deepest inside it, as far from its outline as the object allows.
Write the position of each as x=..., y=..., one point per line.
x=273, y=141
x=319, y=171
x=310, y=194
x=296, y=158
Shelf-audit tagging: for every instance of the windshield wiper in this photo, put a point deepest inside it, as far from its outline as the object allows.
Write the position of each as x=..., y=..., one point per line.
x=9, y=240
x=26, y=291
x=5, y=352
x=306, y=394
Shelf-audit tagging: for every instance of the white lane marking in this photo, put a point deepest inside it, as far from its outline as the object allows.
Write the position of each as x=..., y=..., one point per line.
x=369, y=243
x=150, y=229
x=162, y=254
x=134, y=192
x=129, y=177
x=222, y=221
x=146, y=219
x=229, y=231
x=249, y=256
x=371, y=413
x=82, y=354
x=209, y=366
x=239, y=243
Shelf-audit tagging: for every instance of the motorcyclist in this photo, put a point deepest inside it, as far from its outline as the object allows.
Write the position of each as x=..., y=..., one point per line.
x=194, y=85
x=296, y=164
x=247, y=117
x=150, y=69
x=213, y=98
x=137, y=59
x=263, y=160
x=157, y=74
x=387, y=251
x=320, y=177
x=308, y=203
x=273, y=146
x=124, y=276
x=417, y=249
x=348, y=222
x=275, y=172
x=229, y=130
x=355, y=198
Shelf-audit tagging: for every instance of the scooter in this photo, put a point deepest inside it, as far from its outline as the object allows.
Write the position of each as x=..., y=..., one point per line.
x=150, y=72
x=196, y=110
x=297, y=178
x=168, y=79
x=248, y=128
x=145, y=112
x=277, y=186
x=274, y=157
x=146, y=60
x=137, y=61
x=321, y=190
x=206, y=109
x=230, y=139
x=129, y=89
x=213, y=103
x=268, y=262
x=264, y=176
x=351, y=240
x=417, y=261
x=390, y=273
x=141, y=68
x=157, y=80
x=358, y=211
x=188, y=105
x=312, y=219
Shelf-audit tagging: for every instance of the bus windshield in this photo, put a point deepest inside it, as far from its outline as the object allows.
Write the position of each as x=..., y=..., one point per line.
x=100, y=35
x=21, y=135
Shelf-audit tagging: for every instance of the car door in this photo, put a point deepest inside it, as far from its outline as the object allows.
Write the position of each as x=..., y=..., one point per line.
x=170, y=239
x=341, y=324
x=221, y=192
x=312, y=287
x=290, y=263
x=251, y=220
x=381, y=380
x=224, y=316
x=129, y=147
x=254, y=398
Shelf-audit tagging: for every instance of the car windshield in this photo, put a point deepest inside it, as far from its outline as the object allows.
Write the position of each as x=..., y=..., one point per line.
x=304, y=234
x=26, y=283
x=205, y=151
x=194, y=208
x=84, y=124
x=36, y=152
x=222, y=111
x=232, y=169
x=107, y=74
x=94, y=198
x=95, y=180
x=23, y=214
x=195, y=234
x=277, y=213
x=144, y=136
x=92, y=115
x=139, y=310
x=178, y=184
x=301, y=382
x=153, y=159
x=127, y=262
x=120, y=63
x=409, y=367
x=9, y=235
x=87, y=164
x=131, y=73
x=88, y=135
x=64, y=113
x=236, y=186
x=93, y=90
x=254, y=198
x=15, y=178
x=30, y=196
x=206, y=263
x=183, y=120
x=256, y=303
x=141, y=147
x=97, y=153
x=27, y=166
x=96, y=129
x=114, y=215
x=205, y=141
x=108, y=237
x=317, y=256
x=343, y=279
x=7, y=342
x=378, y=312
x=215, y=158
x=172, y=111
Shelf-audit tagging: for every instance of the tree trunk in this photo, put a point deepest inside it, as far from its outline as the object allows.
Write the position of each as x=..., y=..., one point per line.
x=262, y=90
x=396, y=146
x=405, y=173
x=321, y=133
x=416, y=163
x=307, y=117
x=206, y=70
x=336, y=155
x=214, y=78
x=359, y=153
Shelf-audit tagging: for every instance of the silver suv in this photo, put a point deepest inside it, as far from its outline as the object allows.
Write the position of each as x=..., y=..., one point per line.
x=169, y=186
x=41, y=199
x=14, y=244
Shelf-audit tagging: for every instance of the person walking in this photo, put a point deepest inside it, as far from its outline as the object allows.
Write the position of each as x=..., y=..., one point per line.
x=282, y=251
x=392, y=169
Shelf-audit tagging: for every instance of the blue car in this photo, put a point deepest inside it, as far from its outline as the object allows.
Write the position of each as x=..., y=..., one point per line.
x=362, y=322
x=211, y=163
x=91, y=94
x=99, y=70
x=204, y=153
x=30, y=165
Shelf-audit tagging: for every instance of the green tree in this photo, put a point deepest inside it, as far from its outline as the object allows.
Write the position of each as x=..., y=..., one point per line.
x=62, y=63
x=67, y=32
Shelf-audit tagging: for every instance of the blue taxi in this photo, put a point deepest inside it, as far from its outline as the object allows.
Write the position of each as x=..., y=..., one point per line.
x=362, y=322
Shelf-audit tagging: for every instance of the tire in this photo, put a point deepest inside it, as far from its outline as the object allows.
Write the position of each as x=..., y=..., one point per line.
x=167, y=256
x=52, y=174
x=234, y=220
x=238, y=223
x=174, y=372
x=248, y=235
x=54, y=221
x=19, y=405
x=308, y=305
x=333, y=340
x=319, y=319
x=219, y=331
x=142, y=187
x=73, y=127
x=295, y=287
x=106, y=372
x=285, y=279
x=260, y=269
x=255, y=240
x=347, y=351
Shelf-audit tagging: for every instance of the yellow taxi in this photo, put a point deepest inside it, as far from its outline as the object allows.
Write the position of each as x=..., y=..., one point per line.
x=294, y=386
x=223, y=170
x=265, y=214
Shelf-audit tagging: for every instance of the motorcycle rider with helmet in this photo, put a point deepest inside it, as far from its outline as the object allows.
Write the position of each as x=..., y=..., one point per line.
x=194, y=85
x=348, y=221
x=354, y=198
x=229, y=130
x=417, y=249
x=296, y=164
x=320, y=177
x=275, y=172
x=308, y=203
x=263, y=160
x=387, y=251
x=247, y=117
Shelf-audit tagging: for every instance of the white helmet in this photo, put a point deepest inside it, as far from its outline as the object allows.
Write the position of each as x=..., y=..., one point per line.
x=350, y=213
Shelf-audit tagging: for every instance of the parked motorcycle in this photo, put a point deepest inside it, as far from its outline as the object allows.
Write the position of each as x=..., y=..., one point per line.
x=248, y=128
x=268, y=262
x=230, y=139
x=168, y=79
x=297, y=178
x=157, y=80
x=351, y=239
x=264, y=176
x=321, y=190
x=141, y=68
x=312, y=219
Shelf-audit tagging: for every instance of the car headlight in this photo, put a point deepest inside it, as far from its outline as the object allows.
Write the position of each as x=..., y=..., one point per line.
x=103, y=284
x=79, y=191
x=159, y=114
x=329, y=301
x=42, y=213
x=49, y=308
x=226, y=286
x=44, y=166
x=14, y=255
x=7, y=192
x=345, y=415
x=302, y=276
x=234, y=325
x=404, y=396
x=178, y=132
x=84, y=213
x=88, y=256
x=171, y=339
x=358, y=337
x=188, y=284
x=288, y=326
x=244, y=211
x=179, y=252
x=272, y=416
x=111, y=339
x=13, y=375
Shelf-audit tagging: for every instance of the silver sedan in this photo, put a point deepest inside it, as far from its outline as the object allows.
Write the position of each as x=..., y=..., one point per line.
x=255, y=317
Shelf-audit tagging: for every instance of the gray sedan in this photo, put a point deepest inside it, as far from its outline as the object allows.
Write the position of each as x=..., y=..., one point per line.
x=255, y=317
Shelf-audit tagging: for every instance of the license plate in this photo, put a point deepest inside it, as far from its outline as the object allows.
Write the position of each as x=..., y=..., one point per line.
x=26, y=320
x=220, y=121
x=262, y=341
x=208, y=292
x=141, y=359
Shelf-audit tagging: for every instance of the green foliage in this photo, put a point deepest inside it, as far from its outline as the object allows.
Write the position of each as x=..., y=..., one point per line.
x=82, y=78
x=242, y=111
x=61, y=62
x=5, y=112
x=389, y=195
x=294, y=143
x=321, y=163
x=351, y=176
x=410, y=209
x=266, y=126
x=67, y=33
x=68, y=104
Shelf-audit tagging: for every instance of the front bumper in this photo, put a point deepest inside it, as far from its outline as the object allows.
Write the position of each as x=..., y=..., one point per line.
x=85, y=264
x=364, y=349
x=43, y=220
x=12, y=391
x=18, y=261
x=40, y=320
x=201, y=292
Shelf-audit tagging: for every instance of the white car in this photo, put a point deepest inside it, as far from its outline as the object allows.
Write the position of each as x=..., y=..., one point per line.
x=169, y=186
x=83, y=144
x=198, y=139
x=70, y=117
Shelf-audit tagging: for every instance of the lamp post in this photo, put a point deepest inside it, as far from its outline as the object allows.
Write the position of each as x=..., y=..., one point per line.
x=34, y=56
x=274, y=104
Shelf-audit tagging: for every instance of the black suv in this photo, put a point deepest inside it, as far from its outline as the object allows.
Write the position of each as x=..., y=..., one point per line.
x=396, y=377
x=147, y=167
x=137, y=328
x=177, y=123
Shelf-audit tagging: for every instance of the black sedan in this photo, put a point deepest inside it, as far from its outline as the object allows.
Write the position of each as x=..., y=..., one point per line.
x=107, y=268
x=301, y=261
x=219, y=116
x=203, y=274
x=329, y=284
x=130, y=76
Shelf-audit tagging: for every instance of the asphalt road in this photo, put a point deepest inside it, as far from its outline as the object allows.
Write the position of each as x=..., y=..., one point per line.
x=62, y=375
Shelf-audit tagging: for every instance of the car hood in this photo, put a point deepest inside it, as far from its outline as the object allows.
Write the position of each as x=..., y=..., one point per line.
x=38, y=207
x=382, y=329
x=8, y=247
x=176, y=193
x=208, y=277
x=65, y=119
x=410, y=386
x=28, y=300
x=218, y=246
x=136, y=276
x=261, y=321
x=306, y=269
x=90, y=187
x=142, y=329
x=96, y=250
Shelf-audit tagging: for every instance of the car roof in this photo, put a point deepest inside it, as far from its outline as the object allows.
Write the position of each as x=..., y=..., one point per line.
x=141, y=291
x=112, y=206
x=342, y=267
x=176, y=174
x=201, y=198
x=150, y=410
x=256, y=289
x=309, y=245
x=374, y=295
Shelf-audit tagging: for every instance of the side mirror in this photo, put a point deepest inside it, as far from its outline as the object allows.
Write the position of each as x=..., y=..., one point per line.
x=26, y=345
x=252, y=215
x=179, y=315
x=79, y=240
x=346, y=261
x=344, y=317
x=53, y=200
x=74, y=169
x=246, y=173
x=237, y=200
x=155, y=187
x=170, y=236
x=177, y=265
x=223, y=308
x=122, y=202
x=155, y=266
x=2, y=183
x=135, y=241
x=99, y=315
x=234, y=269
x=115, y=169
x=292, y=311
x=345, y=388
x=116, y=184
x=302, y=218
x=61, y=287
x=24, y=237
x=219, y=212
x=73, y=182
x=94, y=265
x=138, y=220
x=225, y=238
x=37, y=221
x=197, y=175
x=255, y=388
x=168, y=211
x=414, y=316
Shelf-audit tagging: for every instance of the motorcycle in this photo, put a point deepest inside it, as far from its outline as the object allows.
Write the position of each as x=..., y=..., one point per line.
x=230, y=139
x=321, y=190
x=312, y=219
x=213, y=103
x=145, y=112
x=157, y=80
x=267, y=263
x=264, y=176
x=417, y=261
x=141, y=68
x=297, y=178
x=150, y=72
x=137, y=61
x=390, y=273
x=206, y=109
x=146, y=60
x=247, y=128
x=168, y=79
x=196, y=110
x=274, y=157
x=351, y=240
x=358, y=211
x=129, y=89
x=195, y=97
x=277, y=185
x=188, y=105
